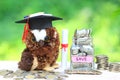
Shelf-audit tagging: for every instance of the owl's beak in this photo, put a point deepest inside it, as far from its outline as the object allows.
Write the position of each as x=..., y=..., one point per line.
x=41, y=43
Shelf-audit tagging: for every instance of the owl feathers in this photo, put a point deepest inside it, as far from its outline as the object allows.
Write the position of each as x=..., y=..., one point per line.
x=42, y=54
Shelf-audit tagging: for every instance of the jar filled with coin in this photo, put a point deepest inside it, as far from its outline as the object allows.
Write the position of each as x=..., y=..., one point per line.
x=82, y=52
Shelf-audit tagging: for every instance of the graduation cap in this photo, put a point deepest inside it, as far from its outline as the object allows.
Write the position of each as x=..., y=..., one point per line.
x=39, y=20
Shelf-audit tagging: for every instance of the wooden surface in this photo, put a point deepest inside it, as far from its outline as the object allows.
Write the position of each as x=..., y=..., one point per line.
x=106, y=75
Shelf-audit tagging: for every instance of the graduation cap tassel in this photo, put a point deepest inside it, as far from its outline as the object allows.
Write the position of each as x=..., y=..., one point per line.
x=26, y=28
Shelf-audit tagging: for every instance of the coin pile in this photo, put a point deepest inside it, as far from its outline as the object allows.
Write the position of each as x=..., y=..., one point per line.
x=82, y=37
x=92, y=72
x=102, y=62
x=114, y=67
x=21, y=75
x=82, y=50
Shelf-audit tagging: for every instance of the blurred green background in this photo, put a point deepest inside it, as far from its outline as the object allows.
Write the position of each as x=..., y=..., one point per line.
x=102, y=16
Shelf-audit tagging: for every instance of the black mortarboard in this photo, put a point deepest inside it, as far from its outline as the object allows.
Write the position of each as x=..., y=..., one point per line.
x=39, y=20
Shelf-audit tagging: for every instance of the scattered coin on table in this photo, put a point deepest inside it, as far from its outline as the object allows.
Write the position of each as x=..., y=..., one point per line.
x=32, y=75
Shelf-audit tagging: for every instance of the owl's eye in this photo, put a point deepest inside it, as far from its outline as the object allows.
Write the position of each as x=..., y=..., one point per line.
x=33, y=39
x=47, y=38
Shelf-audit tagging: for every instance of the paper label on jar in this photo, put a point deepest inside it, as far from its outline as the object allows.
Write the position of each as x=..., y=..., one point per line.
x=87, y=59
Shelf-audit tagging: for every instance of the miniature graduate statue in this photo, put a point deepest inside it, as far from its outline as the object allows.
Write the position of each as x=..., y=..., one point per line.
x=42, y=43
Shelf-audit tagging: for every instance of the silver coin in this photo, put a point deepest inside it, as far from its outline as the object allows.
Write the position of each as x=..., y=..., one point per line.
x=82, y=33
x=20, y=73
x=40, y=71
x=38, y=76
x=59, y=78
x=95, y=72
x=75, y=65
x=82, y=54
x=50, y=77
x=57, y=73
x=10, y=75
x=103, y=65
x=103, y=68
x=87, y=49
x=63, y=75
x=18, y=79
x=30, y=76
x=114, y=67
x=84, y=41
x=101, y=56
x=102, y=61
x=5, y=72
x=74, y=50
x=51, y=72
x=42, y=75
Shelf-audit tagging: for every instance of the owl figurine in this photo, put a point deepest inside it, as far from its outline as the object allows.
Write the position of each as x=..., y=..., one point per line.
x=42, y=43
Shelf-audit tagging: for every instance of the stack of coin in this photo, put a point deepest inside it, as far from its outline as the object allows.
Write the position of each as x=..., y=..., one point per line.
x=114, y=67
x=102, y=62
